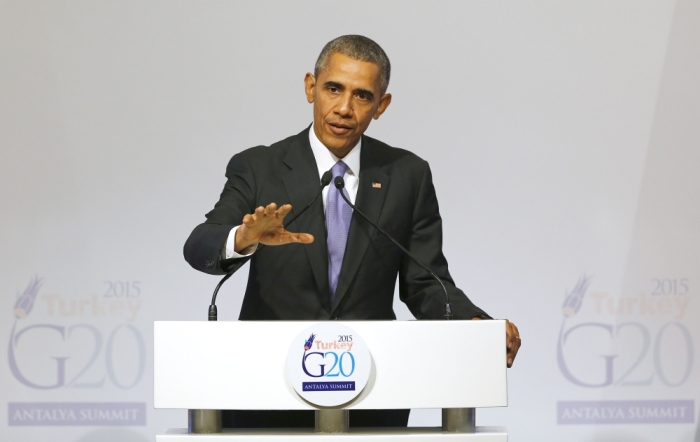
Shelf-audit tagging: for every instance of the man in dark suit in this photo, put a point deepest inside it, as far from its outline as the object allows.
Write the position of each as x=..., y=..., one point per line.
x=340, y=267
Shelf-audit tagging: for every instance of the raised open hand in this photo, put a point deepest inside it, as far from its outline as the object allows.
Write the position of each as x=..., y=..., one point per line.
x=265, y=226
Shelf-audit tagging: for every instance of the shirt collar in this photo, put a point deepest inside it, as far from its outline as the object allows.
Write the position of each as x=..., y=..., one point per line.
x=325, y=159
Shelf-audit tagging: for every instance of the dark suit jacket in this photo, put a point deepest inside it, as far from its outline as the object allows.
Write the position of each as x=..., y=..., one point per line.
x=291, y=281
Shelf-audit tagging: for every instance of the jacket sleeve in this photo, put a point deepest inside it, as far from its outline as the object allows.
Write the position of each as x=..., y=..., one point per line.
x=204, y=246
x=418, y=289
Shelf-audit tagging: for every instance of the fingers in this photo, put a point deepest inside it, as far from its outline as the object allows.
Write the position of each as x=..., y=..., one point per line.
x=284, y=210
x=281, y=237
x=270, y=209
x=304, y=238
x=513, y=342
x=267, y=213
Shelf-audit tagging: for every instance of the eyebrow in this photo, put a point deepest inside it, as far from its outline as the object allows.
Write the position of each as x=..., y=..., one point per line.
x=335, y=84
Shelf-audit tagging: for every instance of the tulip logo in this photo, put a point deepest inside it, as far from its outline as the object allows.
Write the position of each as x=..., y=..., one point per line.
x=574, y=299
x=25, y=301
x=309, y=342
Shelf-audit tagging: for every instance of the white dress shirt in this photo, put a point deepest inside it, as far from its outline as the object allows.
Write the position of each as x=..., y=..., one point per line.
x=325, y=160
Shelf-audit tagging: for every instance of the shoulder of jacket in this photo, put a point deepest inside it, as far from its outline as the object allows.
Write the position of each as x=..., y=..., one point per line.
x=269, y=152
x=394, y=155
x=278, y=148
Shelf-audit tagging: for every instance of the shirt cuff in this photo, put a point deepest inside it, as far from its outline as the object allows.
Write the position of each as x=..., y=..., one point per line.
x=231, y=245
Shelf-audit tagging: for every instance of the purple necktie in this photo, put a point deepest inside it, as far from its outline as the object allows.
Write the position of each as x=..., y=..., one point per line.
x=338, y=216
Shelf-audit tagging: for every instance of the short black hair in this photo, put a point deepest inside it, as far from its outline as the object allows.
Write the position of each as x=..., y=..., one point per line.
x=360, y=48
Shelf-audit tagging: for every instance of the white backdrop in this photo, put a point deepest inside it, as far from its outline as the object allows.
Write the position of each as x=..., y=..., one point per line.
x=564, y=144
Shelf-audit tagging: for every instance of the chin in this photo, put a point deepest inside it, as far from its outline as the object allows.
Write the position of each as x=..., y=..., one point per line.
x=335, y=147
x=335, y=143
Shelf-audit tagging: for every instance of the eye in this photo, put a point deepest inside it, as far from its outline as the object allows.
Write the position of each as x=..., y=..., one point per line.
x=333, y=89
x=363, y=96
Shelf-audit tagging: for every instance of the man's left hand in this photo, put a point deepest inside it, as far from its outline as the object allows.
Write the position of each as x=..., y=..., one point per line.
x=513, y=342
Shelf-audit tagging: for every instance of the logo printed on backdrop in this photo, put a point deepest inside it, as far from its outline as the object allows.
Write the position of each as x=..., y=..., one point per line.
x=78, y=343
x=328, y=364
x=633, y=344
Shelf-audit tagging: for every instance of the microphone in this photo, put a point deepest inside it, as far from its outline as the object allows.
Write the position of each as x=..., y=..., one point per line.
x=339, y=183
x=325, y=181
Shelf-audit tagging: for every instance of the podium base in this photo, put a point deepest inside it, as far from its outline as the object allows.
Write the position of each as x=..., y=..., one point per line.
x=428, y=434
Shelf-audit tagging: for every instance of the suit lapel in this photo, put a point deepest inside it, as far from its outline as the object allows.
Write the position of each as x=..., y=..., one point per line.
x=302, y=185
x=370, y=200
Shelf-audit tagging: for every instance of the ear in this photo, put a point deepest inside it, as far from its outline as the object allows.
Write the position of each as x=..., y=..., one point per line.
x=384, y=102
x=309, y=86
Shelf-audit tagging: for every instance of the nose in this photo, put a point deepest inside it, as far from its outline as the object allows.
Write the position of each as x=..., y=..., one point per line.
x=344, y=108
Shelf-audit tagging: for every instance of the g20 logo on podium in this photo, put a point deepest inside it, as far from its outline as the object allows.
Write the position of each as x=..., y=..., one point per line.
x=328, y=364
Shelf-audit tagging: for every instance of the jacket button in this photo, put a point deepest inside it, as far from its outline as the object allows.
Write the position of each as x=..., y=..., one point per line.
x=335, y=317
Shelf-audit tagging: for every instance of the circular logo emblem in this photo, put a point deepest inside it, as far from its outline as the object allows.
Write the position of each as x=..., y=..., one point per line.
x=328, y=364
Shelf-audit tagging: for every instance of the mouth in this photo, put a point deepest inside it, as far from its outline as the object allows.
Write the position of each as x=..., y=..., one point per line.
x=340, y=128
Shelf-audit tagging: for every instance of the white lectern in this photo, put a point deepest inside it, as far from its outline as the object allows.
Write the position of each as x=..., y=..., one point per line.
x=452, y=365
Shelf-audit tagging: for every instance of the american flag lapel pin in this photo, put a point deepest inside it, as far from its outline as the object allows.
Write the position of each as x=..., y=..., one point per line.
x=376, y=185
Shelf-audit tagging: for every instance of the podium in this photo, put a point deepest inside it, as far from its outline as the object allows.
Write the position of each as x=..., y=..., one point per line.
x=453, y=365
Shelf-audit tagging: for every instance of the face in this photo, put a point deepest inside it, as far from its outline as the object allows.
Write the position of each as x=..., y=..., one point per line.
x=346, y=96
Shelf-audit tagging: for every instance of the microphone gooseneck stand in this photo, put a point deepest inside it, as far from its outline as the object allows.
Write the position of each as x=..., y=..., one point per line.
x=339, y=183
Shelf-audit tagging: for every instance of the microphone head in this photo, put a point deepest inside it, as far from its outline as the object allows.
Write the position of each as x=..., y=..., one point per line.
x=339, y=182
x=326, y=178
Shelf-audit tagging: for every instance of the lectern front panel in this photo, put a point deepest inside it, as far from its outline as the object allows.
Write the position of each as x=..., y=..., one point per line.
x=415, y=364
